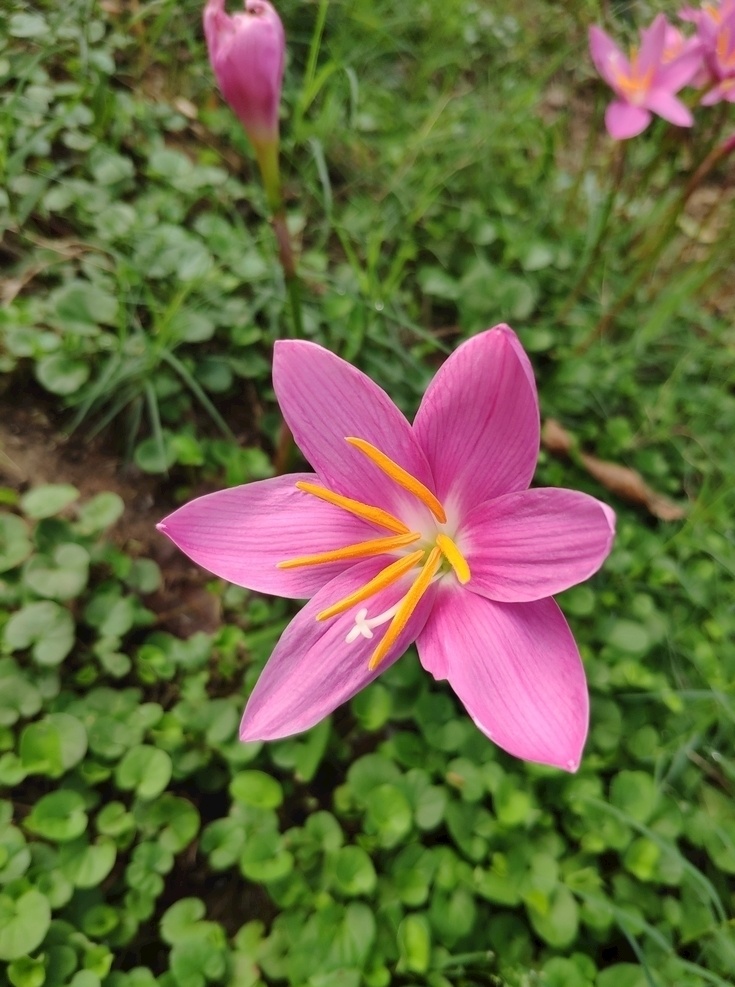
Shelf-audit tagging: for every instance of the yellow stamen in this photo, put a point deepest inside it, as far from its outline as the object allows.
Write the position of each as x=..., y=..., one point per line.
x=376, y=546
x=401, y=477
x=406, y=607
x=454, y=557
x=385, y=578
x=365, y=511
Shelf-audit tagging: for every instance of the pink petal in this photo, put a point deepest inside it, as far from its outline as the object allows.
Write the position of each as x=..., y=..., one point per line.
x=623, y=120
x=653, y=42
x=313, y=670
x=669, y=107
x=242, y=533
x=517, y=670
x=609, y=60
x=532, y=544
x=725, y=91
x=479, y=421
x=324, y=400
x=680, y=71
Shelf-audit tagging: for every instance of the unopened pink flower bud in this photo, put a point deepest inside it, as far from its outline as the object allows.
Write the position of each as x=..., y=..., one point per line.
x=246, y=50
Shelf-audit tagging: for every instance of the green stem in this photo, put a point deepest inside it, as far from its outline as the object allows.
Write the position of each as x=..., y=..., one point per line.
x=657, y=244
x=268, y=162
x=604, y=221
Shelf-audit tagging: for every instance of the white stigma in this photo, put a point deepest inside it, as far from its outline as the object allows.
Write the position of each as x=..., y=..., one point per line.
x=364, y=624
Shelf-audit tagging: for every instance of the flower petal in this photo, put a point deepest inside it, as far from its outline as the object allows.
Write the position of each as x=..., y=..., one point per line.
x=241, y=534
x=608, y=59
x=669, y=108
x=653, y=42
x=313, y=669
x=623, y=120
x=517, y=670
x=529, y=545
x=479, y=421
x=324, y=400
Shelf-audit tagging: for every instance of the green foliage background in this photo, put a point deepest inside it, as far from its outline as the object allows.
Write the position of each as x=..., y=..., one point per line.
x=446, y=169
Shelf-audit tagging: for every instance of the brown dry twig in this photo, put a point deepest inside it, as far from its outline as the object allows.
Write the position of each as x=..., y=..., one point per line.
x=624, y=482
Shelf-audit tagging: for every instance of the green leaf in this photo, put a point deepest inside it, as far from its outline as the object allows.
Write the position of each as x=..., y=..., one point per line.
x=353, y=870
x=45, y=627
x=414, y=944
x=176, y=921
x=61, y=374
x=388, y=815
x=15, y=545
x=24, y=922
x=145, y=769
x=257, y=789
x=48, y=500
x=62, y=575
x=27, y=972
x=53, y=745
x=635, y=793
x=80, y=306
x=85, y=864
x=19, y=698
x=558, y=922
x=59, y=816
x=100, y=513
x=264, y=859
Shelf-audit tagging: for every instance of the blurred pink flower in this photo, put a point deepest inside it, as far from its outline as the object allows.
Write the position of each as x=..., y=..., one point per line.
x=247, y=52
x=716, y=33
x=645, y=83
x=425, y=532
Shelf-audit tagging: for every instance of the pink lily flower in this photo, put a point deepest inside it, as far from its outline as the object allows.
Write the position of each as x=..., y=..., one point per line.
x=718, y=39
x=645, y=83
x=425, y=532
x=247, y=53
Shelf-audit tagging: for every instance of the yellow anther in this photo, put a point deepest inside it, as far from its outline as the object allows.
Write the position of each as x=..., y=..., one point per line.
x=406, y=607
x=401, y=477
x=385, y=578
x=356, y=507
x=361, y=550
x=454, y=557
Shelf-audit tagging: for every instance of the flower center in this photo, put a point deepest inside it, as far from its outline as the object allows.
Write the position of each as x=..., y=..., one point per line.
x=442, y=550
x=636, y=84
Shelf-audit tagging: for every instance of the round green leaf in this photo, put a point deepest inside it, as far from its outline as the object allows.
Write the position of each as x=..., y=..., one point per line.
x=48, y=500
x=24, y=922
x=100, y=513
x=558, y=921
x=59, y=816
x=45, y=627
x=389, y=814
x=256, y=788
x=27, y=972
x=354, y=873
x=61, y=575
x=87, y=865
x=145, y=769
x=15, y=545
x=264, y=858
x=61, y=374
x=53, y=745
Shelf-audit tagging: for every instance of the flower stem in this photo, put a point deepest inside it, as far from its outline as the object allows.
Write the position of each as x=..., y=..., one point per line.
x=268, y=162
x=603, y=224
x=658, y=243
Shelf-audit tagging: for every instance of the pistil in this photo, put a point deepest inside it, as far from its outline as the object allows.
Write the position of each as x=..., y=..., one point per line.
x=406, y=607
x=386, y=577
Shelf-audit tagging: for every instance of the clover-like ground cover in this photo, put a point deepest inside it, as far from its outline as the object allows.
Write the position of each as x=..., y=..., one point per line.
x=446, y=169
